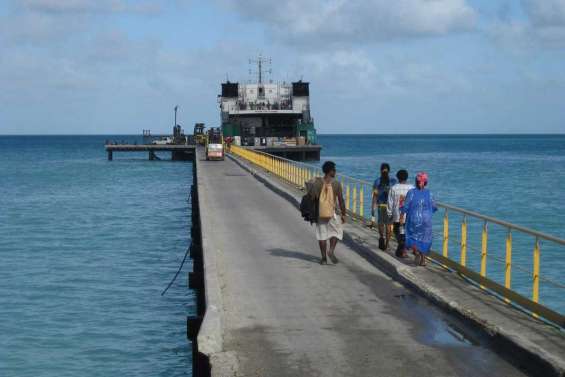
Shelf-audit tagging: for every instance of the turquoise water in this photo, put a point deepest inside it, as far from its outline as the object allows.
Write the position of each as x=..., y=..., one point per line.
x=87, y=246
x=517, y=178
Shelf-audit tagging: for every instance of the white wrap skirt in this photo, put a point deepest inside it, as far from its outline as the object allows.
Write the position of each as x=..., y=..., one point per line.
x=329, y=229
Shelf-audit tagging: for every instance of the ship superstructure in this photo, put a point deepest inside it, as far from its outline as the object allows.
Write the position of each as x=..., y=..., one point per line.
x=268, y=114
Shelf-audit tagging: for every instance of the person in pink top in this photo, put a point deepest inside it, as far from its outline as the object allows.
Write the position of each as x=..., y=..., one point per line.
x=419, y=206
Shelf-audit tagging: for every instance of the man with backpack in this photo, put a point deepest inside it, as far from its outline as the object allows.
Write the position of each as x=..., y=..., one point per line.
x=318, y=206
x=381, y=188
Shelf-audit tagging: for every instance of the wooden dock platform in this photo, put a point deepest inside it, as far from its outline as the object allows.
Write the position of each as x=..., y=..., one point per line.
x=178, y=151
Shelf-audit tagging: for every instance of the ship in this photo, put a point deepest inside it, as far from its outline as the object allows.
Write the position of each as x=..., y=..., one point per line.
x=273, y=117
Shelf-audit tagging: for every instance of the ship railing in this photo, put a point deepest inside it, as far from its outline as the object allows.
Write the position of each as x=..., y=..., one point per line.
x=486, y=251
x=278, y=105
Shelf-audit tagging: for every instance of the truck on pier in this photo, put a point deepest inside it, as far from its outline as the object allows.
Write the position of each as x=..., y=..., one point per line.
x=214, y=144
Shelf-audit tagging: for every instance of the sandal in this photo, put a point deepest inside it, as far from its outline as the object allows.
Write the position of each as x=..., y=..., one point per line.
x=382, y=243
x=324, y=261
x=423, y=261
x=333, y=258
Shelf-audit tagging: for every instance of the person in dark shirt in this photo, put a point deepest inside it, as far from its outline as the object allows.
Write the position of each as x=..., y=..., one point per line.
x=381, y=188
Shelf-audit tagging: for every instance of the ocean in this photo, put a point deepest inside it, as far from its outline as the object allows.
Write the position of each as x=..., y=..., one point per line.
x=88, y=245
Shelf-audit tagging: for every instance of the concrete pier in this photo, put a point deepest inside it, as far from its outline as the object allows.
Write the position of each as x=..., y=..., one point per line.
x=273, y=310
x=178, y=151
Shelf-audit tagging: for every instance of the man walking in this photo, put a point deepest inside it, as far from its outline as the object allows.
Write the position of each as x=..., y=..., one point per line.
x=395, y=202
x=329, y=226
x=381, y=188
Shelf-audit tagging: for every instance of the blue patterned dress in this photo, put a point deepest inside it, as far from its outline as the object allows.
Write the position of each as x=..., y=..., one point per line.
x=419, y=207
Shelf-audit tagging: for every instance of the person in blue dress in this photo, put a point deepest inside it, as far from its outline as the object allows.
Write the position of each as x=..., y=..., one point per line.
x=419, y=207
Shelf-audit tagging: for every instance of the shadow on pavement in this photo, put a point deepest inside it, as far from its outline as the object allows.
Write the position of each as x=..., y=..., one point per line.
x=283, y=253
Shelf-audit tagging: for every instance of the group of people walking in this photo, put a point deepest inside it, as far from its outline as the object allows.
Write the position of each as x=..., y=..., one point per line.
x=397, y=207
x=405, y=210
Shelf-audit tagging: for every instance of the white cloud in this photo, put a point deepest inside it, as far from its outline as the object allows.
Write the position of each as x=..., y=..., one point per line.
x=358, y=75
x=341, y=21
x=546, y=13
x=90, y=6
x=544, y=26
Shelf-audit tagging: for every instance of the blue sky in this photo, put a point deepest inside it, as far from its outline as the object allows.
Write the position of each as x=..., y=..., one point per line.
x=375, y=66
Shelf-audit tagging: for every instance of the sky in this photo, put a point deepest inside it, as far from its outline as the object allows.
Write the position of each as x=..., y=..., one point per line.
x=374, y=66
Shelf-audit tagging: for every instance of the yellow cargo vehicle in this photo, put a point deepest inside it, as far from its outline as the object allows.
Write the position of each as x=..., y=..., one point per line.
x=199, y=135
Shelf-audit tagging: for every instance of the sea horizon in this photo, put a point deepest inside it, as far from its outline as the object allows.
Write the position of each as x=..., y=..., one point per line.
x=320, y=134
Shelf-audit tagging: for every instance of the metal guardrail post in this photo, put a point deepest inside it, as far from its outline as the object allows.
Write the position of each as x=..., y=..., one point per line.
x=354, y=207
x=535, y=287
x=508, y=265
x=445, y=234
x=463, y=260
x=484, y=245
x=484, y=248
x=290, y=172
x=361, y=209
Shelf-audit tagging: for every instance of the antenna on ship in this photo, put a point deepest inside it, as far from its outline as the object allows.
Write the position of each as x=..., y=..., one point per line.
x=261, y=61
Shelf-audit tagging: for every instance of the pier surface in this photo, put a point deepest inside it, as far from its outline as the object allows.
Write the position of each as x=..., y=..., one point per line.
x=178, y=151
x=273, y=310
x=149, y=147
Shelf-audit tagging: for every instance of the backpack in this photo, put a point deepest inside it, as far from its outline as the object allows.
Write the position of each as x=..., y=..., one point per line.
x=309, y=209
x=326, y=208
x=309, y=206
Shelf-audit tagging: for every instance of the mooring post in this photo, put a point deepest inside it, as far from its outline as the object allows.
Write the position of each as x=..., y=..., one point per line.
x=110, y=157
x=151, y=155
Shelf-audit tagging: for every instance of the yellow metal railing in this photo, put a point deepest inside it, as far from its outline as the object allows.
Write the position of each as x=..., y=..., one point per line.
x=358, y=199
